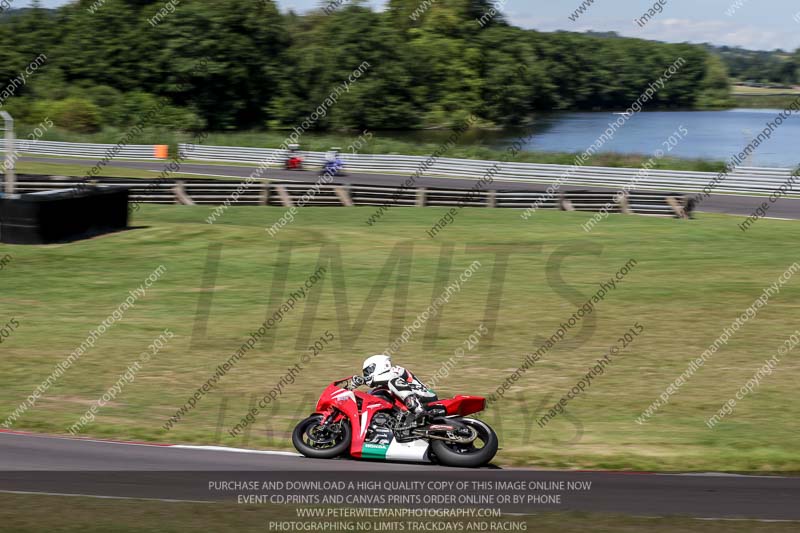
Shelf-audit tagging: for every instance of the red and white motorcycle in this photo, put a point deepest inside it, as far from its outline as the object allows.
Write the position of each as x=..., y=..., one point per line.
x=373, y=426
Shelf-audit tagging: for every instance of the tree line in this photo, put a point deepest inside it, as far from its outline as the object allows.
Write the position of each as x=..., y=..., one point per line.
x=760, y=66
x=108, y=61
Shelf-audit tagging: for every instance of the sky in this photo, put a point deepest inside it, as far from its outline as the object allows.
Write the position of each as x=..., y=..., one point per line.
x=753, y=24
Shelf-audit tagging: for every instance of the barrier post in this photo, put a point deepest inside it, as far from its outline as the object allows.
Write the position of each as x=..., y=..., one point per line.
x=491, y=198
x=8, y=127
x=286, y=198
x=181, y=197
x=624, y=205
x=263, y=197
x=564, y=203
x=343, y=195
x=677, y=208
x=421, y=199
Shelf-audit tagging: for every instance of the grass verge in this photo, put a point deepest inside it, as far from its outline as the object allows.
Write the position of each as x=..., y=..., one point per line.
x=80, y=168
x=763, y=91
x=763, y=101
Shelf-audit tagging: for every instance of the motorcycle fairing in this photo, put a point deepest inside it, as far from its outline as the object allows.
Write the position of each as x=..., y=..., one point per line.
x=347, y=402
x=461, y=405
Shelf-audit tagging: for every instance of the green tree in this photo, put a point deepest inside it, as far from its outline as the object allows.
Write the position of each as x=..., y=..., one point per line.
x=238, y=64
x=75, y=114
x=715, y=90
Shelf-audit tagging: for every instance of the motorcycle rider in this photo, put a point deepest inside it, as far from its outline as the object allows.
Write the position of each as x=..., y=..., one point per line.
x=333, y=163
x=379, y=373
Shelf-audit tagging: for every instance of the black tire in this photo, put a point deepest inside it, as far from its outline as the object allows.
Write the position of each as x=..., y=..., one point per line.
x=339, y=445
x=468, y=456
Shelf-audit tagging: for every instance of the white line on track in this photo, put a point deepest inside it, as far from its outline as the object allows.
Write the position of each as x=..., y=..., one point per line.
x=155, y=444
x=235, y=450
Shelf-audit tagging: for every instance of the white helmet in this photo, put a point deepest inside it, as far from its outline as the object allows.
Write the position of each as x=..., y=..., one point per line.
x=377, y=369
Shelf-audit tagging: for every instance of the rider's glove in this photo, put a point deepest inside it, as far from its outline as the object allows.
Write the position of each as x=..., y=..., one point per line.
x=357, y=381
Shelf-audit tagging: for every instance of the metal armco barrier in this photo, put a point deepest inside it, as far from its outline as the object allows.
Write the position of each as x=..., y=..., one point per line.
x=89, y=150
x=743, y=180
x=287, y=194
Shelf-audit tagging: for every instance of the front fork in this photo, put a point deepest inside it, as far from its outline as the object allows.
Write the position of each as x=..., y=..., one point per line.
x=331, y=417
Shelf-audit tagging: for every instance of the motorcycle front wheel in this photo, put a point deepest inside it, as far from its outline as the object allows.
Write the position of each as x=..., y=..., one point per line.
x=468, y=455
x=312, y=439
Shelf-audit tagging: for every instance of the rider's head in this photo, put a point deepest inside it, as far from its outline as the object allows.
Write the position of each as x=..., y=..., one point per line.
x=377, y=369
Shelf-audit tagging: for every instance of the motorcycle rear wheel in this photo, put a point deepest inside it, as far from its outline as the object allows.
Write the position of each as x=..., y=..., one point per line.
x=327, y=446
x=473, y=455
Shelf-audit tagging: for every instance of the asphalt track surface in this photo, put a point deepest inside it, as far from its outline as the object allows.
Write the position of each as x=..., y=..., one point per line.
x=32, y=463
x=716, y=203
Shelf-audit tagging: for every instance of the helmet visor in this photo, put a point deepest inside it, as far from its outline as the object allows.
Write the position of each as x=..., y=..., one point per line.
x=368, y=371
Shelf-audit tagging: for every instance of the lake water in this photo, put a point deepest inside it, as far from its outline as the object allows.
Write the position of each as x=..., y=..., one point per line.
x=714, y=135
x=711, y=134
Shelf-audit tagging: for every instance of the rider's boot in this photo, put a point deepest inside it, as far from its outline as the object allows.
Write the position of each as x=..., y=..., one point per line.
x=415, y=412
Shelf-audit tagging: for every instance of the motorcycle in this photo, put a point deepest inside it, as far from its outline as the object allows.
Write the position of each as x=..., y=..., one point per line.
x=375, y=425
x=293, y=159
x=333, y=166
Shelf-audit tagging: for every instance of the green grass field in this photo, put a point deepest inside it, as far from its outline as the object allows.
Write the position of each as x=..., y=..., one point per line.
x=88, y=515
x=763, y=97
x=763, y=101
x=692, y=278
x=762, y=91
